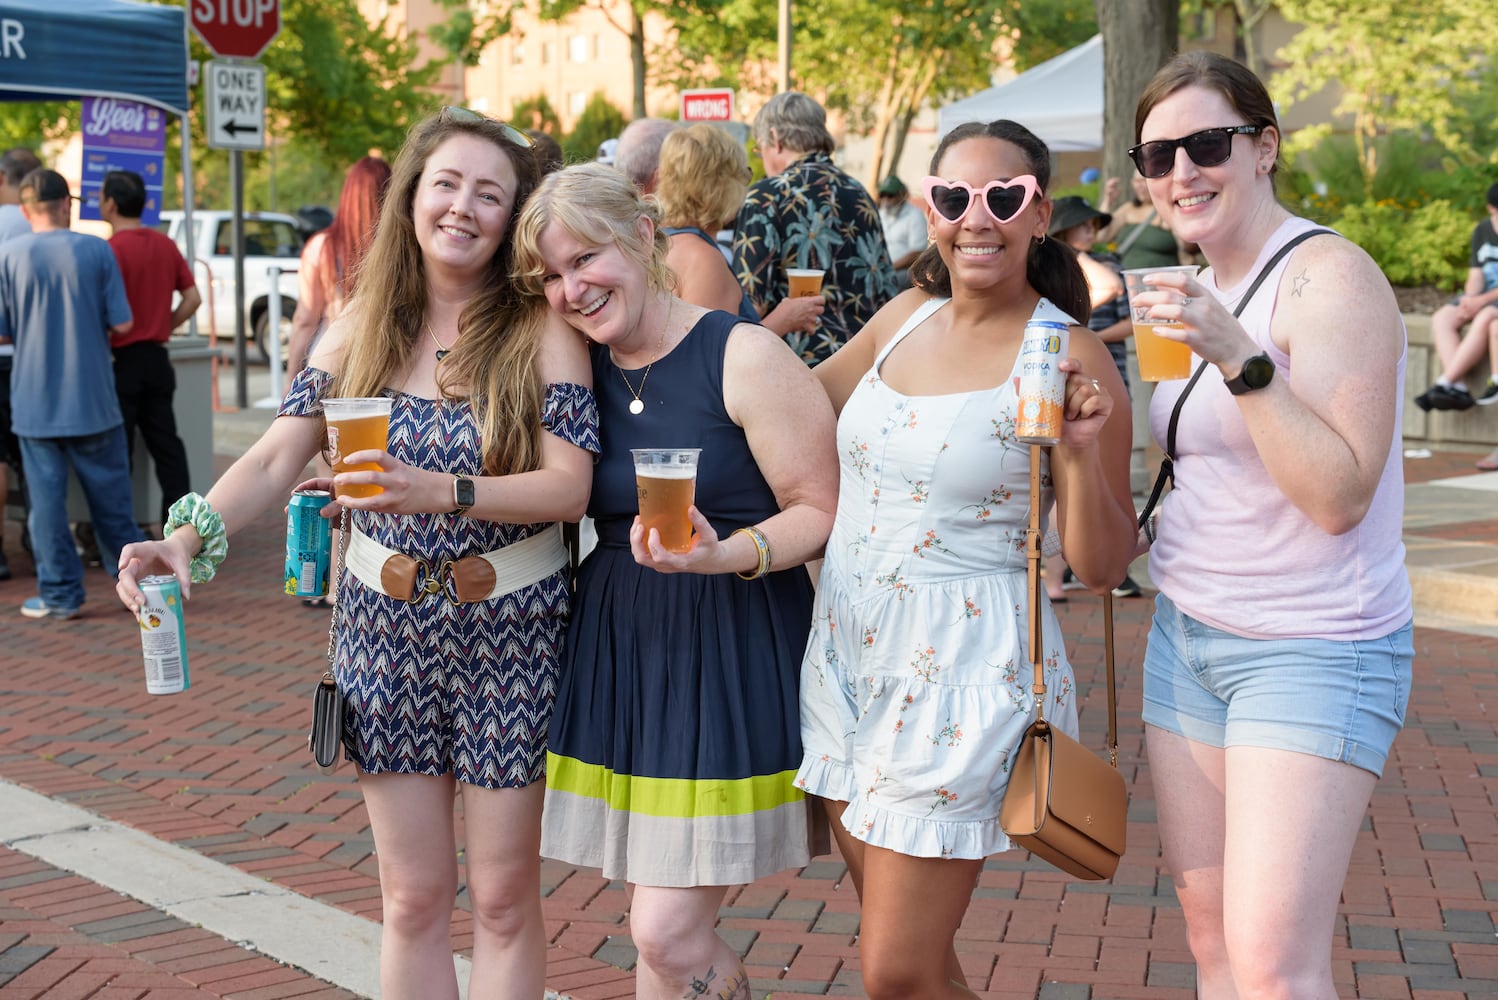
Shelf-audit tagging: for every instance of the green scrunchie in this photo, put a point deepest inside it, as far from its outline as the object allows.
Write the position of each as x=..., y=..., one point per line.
x=198, y=512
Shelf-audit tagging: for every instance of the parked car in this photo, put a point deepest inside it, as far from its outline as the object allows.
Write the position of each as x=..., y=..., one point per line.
x=271, y=239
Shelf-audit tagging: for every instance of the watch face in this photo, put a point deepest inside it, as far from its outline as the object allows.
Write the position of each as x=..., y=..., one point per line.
x=463, y=491
x=1258, y=371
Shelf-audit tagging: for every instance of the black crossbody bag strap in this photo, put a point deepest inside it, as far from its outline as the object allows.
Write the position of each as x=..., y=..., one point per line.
x=1167, y=464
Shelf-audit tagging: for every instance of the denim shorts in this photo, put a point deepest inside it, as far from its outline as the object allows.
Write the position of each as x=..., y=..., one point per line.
x=1342, y=700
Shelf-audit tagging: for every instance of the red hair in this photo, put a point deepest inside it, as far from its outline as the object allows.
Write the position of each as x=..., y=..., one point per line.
x=348, y=238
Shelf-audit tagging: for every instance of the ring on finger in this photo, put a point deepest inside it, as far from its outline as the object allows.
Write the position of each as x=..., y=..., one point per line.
x=1185, y=301
x=1097, y=388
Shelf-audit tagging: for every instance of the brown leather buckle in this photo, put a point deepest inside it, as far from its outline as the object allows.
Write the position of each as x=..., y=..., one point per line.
x=408, y=578
x=467, y=580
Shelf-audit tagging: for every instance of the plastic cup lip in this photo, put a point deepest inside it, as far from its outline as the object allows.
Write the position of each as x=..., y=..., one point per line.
x=805, y=272
x=1164, y=268
x=665, y=456
x=358, y=406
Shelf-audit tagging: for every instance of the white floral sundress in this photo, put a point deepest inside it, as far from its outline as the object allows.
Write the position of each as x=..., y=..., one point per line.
x=915, y=687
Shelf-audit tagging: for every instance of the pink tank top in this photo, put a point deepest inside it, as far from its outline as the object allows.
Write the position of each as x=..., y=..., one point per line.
x=1231, y=550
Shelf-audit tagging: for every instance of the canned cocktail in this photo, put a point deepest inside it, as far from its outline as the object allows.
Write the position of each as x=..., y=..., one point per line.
x=163, y=636
x=309, y=544
x=357, y=424
x=1042, y=383
x=666, y=479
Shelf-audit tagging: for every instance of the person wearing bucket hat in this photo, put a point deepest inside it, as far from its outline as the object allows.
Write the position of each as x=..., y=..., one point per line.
x=1076, y=224
x=904, y=227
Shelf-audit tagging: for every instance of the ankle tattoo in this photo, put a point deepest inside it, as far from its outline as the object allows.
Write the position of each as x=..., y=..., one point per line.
x=735, y=987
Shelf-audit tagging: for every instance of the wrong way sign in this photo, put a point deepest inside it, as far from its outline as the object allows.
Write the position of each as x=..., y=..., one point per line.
x=236, y=105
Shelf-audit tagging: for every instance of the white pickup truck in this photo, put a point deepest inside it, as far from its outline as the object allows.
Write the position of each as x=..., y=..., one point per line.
x=271, y=239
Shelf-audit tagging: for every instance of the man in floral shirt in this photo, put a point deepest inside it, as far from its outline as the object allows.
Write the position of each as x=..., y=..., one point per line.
x=807, y=213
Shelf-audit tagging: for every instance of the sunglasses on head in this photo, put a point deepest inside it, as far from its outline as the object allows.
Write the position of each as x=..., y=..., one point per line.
x=453, y=114
x=1210, y=147
x=1002, y=200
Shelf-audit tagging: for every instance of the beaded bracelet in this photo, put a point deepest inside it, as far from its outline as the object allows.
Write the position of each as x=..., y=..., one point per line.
x=197, y=512
x=761, y=546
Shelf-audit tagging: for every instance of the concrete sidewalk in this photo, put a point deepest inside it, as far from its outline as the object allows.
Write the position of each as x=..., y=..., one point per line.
x=183, y=846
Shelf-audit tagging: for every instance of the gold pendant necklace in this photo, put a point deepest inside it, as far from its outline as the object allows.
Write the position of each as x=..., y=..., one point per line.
x=442, y=352
x=637, y=405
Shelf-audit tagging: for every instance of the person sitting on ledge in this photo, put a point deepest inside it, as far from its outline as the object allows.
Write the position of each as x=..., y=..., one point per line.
x=1475, y=306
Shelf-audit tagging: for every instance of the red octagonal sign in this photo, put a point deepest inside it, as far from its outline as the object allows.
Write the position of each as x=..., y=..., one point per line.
x=236, y=29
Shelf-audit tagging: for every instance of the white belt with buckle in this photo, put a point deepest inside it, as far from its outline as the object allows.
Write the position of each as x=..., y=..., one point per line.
x=470, y=579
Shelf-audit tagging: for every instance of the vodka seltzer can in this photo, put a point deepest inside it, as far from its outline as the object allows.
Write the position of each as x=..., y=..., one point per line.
x=163, y=636
x=309, y=544
x=1042, y=383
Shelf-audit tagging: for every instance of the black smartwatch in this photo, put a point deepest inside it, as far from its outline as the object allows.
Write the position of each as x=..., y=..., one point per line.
x=1258, y=371
x=462, y=494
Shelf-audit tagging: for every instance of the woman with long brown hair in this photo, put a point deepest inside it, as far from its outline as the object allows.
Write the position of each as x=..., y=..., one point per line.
x=492, y=428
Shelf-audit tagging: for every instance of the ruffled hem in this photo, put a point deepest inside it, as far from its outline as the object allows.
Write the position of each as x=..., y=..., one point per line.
x=825, y=778
x=924, y=838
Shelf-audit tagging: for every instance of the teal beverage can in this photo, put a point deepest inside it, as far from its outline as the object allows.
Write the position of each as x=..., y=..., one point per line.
x=309, y=544
x=163, y=635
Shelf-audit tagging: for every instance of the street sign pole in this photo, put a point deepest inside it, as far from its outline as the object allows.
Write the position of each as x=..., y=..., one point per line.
x=236, y=233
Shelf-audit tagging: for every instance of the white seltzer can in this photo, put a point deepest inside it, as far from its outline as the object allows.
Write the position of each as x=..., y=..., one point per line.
x=163, y=636
x=1042, y=383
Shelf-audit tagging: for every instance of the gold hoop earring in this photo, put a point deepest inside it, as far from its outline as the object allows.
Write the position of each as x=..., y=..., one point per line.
x=1041, y=240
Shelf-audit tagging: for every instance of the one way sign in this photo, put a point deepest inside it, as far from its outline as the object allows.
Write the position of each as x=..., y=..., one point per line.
x=236, y=105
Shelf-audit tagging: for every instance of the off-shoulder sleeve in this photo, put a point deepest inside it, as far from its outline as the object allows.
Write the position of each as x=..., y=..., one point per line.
x=304, y=399
x=571, y=413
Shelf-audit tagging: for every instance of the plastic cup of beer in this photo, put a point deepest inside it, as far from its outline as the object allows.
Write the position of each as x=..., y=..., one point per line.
x=804, y=281
x=666, y=479
x=1160, y=360
x=357, y=424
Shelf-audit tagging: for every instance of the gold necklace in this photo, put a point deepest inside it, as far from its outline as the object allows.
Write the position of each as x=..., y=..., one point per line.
x=442, y=352
x=637, y=405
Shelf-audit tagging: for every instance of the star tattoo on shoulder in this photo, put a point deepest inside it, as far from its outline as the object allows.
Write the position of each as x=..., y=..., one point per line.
x=1301, y=280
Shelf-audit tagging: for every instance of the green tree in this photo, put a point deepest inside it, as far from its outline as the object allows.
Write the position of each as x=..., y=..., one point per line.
x=537, y=113
x=599, y=120
x=1399, y=65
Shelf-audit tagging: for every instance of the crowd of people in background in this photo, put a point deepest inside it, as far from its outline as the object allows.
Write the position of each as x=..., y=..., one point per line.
x=683, y=720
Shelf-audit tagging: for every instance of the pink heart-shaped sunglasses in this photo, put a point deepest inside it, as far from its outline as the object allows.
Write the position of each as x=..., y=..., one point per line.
x=1002, y=200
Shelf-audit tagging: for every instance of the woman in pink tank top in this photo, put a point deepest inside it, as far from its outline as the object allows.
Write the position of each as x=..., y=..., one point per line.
x=1278, y=666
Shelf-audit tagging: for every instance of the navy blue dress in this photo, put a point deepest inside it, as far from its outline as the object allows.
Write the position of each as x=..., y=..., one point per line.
x=676, y=733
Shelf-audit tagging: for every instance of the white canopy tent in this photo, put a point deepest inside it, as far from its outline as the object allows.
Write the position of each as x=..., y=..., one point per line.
x=1061, y=100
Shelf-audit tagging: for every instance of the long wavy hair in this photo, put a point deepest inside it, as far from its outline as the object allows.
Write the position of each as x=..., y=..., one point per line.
x=596, y=205
x=346, y=241
x=1051, y=268
x=493, y=365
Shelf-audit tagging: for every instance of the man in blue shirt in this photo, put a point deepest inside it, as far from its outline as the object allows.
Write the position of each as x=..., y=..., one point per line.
x=61, y=295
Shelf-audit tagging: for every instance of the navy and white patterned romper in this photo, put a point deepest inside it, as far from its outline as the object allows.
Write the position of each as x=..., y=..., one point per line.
x=434, y=687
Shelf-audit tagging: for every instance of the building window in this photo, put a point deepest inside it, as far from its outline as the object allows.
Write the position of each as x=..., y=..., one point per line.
x=577, y=48
x=548, y=52
x=517, y=54
x=577, y=100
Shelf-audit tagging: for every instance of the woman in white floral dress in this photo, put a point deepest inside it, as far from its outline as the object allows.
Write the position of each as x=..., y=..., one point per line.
x=916, y=682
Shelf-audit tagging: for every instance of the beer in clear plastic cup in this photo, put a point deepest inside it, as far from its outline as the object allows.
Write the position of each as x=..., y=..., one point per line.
x=1160, y=360
x=804, y=281
x=357, y=424
x=666, y=479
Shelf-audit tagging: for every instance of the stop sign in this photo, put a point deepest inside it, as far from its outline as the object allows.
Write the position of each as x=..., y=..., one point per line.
x=236, y=29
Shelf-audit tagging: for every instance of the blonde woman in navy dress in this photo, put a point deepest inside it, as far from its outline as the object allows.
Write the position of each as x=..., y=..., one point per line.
x=676, y=736
x=917, y=681
x=452, y=691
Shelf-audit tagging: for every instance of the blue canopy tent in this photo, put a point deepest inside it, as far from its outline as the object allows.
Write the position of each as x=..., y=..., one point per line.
x=52, y=50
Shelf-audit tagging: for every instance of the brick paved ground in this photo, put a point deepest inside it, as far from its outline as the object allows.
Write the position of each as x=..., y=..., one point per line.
x=222, y=769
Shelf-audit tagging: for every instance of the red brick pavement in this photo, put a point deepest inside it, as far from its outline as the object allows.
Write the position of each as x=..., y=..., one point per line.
x=222, y=769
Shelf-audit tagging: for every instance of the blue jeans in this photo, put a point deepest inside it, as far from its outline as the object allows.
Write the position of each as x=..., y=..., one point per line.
x=102, y=464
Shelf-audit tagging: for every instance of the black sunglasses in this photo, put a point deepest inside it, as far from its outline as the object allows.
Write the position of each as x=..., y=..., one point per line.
x=1210, y=147
x=455, y=114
